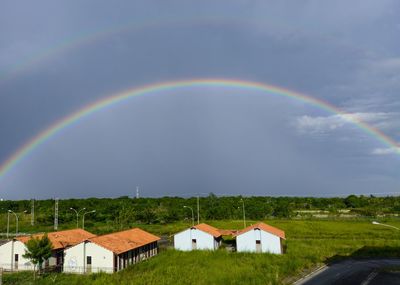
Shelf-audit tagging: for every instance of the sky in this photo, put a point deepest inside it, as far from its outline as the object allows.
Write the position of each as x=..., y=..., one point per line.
x=57, y=57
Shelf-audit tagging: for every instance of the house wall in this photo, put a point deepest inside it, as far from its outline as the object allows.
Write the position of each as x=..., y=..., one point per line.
x=136, y=255
x=270, y=243
x=102, y=259
x=7, y=256
x=183, y=240
x=246, y=242
x=75, y=258
x=204, y=241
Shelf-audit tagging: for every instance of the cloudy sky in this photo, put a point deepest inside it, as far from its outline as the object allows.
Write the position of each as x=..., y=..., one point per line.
x=56, y=57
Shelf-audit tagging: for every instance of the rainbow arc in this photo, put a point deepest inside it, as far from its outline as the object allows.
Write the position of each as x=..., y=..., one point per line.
x=117, y=98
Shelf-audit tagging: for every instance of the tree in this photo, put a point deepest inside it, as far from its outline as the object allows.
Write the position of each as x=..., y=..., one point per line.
x=37, y=251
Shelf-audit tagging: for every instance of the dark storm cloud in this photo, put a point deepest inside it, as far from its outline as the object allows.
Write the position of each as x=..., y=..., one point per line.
x=345, y=53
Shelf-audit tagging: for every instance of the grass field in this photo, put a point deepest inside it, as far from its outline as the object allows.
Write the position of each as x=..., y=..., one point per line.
x=309, y=244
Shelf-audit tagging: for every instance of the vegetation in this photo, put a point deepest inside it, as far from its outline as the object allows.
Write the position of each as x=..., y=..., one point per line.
x=319, y=230
x=310, y=243
x=125, y=212
x=38, y=250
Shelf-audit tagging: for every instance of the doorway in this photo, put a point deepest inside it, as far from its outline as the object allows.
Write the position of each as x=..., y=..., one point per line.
x=88, y=264
x=258, y=246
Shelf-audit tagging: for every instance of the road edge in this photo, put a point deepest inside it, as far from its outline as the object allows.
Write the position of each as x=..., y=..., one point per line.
x=310, y=275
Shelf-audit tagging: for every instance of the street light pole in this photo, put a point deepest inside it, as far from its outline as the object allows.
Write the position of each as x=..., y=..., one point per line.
x=77, y=215
x=244, y=214
x=8, y=223
x=198, y=209
x=16, y=220
x=192, y=213
x=83, y=218
x=380, y=224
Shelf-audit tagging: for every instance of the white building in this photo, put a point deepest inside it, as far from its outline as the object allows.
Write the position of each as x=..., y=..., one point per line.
x=11, y=256
x=11, y=252
x=110, y=253
x=201, y=236
x=260, y=238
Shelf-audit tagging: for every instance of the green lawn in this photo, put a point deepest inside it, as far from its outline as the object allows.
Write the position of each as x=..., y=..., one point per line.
x=309, y=244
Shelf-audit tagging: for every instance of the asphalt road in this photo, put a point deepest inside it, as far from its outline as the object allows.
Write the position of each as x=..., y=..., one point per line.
x=353, y=272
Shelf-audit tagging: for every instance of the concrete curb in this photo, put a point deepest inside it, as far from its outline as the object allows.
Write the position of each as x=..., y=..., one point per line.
x=308, y=276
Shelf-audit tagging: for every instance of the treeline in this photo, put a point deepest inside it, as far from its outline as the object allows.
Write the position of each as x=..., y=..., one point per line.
x=126, y=210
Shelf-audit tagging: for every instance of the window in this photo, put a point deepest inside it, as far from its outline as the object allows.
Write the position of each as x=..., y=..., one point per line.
x=16, y=258
x=194, y=244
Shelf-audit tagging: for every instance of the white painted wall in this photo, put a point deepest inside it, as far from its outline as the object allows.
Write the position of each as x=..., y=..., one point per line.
x=183, y=240
x=270, y=243
x=102, y=259
x=7, y=256
x=205, y=241
x=73, y=259
x=246, y=242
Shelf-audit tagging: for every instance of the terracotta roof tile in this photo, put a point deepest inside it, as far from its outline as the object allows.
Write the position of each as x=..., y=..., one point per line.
x=228, y=232
x=62, y=239
x=124, y=241
x=208, y=229
x=264, y=227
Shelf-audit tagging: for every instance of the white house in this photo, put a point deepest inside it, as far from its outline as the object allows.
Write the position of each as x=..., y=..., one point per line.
x=11, y=256
x=11, y=252
x=260, y=238
x=110, y=253
x=201, y=236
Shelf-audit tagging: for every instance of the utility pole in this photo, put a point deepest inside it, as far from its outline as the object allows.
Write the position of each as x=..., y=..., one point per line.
x=56, y=214
x=137, y=192
x=198, y=209
x=33, y=213
x=244, y=214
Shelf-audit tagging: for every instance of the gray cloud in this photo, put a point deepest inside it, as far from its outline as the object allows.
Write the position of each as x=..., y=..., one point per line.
x=213, y=139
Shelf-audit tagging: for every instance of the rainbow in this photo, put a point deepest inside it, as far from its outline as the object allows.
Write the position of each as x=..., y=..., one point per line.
x=114, y=99
x=90, y=37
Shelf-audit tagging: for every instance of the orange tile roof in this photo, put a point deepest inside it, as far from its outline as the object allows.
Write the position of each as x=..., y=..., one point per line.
x=62, y=239
x=228, y=232
x=124, y=241
x=264, y=227
x=208, y=229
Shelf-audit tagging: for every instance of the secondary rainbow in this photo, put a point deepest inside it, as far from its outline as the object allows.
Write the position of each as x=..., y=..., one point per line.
x=114, y=99
x=90, y=37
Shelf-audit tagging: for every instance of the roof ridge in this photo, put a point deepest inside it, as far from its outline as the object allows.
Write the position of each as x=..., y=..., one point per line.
x=115, y=233
x=120, y=232
x=261, y=225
